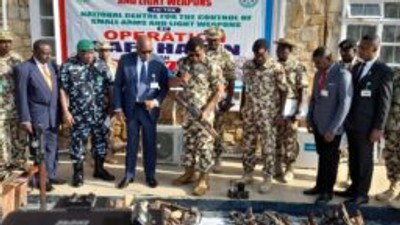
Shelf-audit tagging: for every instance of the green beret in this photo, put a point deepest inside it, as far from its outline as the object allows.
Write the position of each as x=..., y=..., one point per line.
x=85, y=45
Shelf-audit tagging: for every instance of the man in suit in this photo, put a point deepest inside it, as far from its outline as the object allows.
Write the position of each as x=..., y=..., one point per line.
x=373, y=84
x=37, y=103
x=141, y=84
x=329, y=106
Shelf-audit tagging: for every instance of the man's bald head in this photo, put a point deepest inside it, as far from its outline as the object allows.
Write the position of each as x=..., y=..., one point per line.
x=144, y=47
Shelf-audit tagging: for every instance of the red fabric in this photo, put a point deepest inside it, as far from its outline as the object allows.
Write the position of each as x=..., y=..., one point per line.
x=322, y=81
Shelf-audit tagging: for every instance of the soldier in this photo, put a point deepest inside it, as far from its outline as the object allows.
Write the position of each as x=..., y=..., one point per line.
x=12, y=139
x=287, y=146
x=203, y=82
x=86, y=83
x=348, y=53
x=218, y=54
x=391, y=151
x=263, y=82
x=104, y=50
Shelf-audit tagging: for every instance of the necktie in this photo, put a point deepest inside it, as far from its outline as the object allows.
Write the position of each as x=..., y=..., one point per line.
x=360, y=71
x=322, y=81
x=142, y=82
x=47, y=76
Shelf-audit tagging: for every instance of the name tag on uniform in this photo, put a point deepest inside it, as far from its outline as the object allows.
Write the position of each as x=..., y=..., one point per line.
x=366, y=93
x=324, y=93
x=154, y=85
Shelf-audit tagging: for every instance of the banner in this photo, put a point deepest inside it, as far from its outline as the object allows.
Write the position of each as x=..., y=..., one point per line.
x=170, y=23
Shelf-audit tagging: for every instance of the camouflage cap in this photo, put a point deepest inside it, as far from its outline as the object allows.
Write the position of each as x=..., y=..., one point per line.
x=103, y=45
x=6, y=35
x=214, y=33
x=85, y=45
x=284, y=41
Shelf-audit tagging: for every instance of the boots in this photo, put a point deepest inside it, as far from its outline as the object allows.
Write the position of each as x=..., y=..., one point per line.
x=77, y=178
x=247, y=178
x=100, y=172
x=217, y=168
x=389, y=194
x=186, y=178
x=289, y=173
x=279, y=173
x=202, y=185
x=266, y=185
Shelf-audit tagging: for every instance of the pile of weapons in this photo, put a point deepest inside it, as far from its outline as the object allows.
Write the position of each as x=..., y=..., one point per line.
x=164, y=213
x=334, y=216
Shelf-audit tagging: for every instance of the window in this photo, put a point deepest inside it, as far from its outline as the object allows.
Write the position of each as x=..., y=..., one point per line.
x=381, y=17
x=42, y=21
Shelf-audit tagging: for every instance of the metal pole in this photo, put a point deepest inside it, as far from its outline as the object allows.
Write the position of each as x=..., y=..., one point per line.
x=4, y=11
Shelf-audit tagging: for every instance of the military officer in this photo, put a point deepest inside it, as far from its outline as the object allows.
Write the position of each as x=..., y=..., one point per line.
x=203, y=86
x=86, y=83
x=12, y=139
x=104, y=50
x=348, y=53
x=264, y=82
x=391, y=151
x=218, y=54
x=287, y=147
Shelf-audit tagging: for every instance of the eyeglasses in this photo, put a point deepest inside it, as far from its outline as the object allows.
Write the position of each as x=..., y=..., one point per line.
x=146, y=52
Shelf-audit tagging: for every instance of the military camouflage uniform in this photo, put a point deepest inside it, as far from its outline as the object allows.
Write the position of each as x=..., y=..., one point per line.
x=286, y=141
x=12, y=138
x=224, y=59
x=391, y=152
x=206, y=77
x=88, y=89
x=261, y=107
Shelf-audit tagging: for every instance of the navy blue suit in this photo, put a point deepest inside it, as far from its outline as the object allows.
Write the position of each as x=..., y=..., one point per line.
x=38, y=104
x=137, y=116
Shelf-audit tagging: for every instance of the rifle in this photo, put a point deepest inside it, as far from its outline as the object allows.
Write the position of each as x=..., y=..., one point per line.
x=38, y=151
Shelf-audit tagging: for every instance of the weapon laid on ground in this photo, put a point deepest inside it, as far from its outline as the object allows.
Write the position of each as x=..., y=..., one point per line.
x=38, y=152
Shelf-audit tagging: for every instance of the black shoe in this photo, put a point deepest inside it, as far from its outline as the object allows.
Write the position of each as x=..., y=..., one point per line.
x=100, y=172
x=323, y=199
x=358, y=200
x=57, y=181
x=124, y=183
x=152, y=183
x=77, y=177
x=312, y=191
x=345, y=194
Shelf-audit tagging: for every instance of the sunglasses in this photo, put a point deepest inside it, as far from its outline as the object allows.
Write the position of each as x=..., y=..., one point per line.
x=146, y=52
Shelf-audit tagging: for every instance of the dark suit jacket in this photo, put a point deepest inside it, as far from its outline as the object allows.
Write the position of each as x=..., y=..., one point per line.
x=125, y=84
x=36, y=103
x=367, y=113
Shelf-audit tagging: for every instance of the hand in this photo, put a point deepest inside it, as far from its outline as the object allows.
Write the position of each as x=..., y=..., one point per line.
x=328, y=136
x=204, y=115
x=294, y=124
x=375, y=135
x=225, y=105
x=119, y=115
x=68, y=119
x=27, y=127
x=186, y=77
x=150, y=104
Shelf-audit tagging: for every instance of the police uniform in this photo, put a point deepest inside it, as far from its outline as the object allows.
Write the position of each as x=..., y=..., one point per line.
x=225, y=60
x=206, y=77
x=391, y=152
x=262, y=86
x=12, y=138
x=287, y=146
x=87, y=88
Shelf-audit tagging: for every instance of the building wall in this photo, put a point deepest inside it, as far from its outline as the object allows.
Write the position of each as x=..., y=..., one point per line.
x=19, y=25
x=313, y=23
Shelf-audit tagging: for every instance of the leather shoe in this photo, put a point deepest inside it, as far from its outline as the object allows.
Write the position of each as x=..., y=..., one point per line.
x=323, y=199
x=57, y=181
x=358, y=200
x=152, y=183
x=125, y=183
x=345, y=194
x=312, y=191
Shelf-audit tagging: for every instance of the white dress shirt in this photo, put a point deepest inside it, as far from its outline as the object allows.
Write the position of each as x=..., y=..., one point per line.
x=367, y=68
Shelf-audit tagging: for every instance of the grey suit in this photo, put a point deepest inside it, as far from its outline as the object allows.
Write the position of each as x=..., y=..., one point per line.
x=327, y=112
